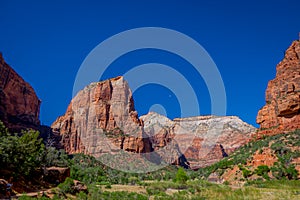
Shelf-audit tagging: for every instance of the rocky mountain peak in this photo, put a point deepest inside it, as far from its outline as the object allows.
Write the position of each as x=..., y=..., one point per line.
x=282, y=110
x=203, y=140
x=100, y=119
x=19, y=104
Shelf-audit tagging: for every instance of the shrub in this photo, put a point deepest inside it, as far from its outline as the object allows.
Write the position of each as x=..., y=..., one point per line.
x=21, y=154
x=246, y=173
x=67, y=186
x=226, y=183
x=81, y=196
x=181, y=176
x=291, y=172
x=261, y=170
x=133, y=180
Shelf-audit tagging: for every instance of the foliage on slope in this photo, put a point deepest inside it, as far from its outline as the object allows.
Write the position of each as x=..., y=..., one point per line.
x=285, y=148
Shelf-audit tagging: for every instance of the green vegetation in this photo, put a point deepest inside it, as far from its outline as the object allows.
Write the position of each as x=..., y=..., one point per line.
x=25, y=155
x=285, y=148
x=196, y=190
x=246, y=172
x=181, y=176
x=262, y=170
x=67, y=186
x=20, y=154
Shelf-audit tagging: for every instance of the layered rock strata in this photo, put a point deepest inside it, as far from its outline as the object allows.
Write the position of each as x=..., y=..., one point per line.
x=282, y=110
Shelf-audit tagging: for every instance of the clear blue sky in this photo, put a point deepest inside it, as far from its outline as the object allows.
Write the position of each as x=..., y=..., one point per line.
x=46, y=42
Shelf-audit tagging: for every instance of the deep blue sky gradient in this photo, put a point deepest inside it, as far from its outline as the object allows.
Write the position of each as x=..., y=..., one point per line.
x=46, y=42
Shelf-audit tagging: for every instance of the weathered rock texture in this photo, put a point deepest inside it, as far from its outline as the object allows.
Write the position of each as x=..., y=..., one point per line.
x=19, y=104
x=101, y=119
x=282, y=110
x=56, y=175
x=203, y=140
x=264, y=157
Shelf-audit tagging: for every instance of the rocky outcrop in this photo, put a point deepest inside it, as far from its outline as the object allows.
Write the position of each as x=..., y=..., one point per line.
x=56, y=175
x=282, y=110
x=263, y=157
x=202, y=140
x=19, y=104
x=79, y=187
x=101, y=119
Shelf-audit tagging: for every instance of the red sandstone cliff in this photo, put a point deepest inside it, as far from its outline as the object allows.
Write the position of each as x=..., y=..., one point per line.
x=282, y=110
x=101, y=119
x=19, y=104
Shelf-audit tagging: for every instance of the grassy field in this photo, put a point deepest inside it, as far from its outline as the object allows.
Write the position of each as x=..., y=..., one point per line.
x=279, y=180
x=204, y=190
x=196, y=189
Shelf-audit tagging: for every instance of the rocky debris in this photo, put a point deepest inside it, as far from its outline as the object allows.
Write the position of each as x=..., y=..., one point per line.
x=265, y=157
x=215, y=178
x=56, y=175
x=282, y=110
x=79, y=187
x=19, y=104
x=203, y=140
x=101, y=119
x=3, y=189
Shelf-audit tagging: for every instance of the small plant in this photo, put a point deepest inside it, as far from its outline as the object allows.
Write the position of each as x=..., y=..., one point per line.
x=246, y=173
x=226, y=183
x=181, y=176
x=67, y=186
x=81, y=196
x=262, y=170
x=133, y=180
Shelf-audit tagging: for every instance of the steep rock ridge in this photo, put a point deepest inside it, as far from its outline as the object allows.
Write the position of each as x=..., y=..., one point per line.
x=19, y=104
x=203, y=140
x=101, y=119
x=282, y=110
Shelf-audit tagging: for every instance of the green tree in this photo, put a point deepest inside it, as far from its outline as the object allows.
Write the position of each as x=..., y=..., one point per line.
x=181, y=176
x=20, y=154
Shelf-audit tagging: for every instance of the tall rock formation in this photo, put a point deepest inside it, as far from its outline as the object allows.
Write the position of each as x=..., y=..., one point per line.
x=101, y=119
x=203, y=140
x=282, y=110
x=19, y=104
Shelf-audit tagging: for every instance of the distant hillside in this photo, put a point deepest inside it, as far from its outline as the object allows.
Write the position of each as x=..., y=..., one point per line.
x=273, y=157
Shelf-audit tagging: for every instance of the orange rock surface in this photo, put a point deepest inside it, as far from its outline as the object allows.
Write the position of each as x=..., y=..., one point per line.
x=101, y=119
x=282, y=110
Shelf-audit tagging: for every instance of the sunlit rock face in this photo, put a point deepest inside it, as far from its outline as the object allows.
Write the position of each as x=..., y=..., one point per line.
x=203, y=140
x=101, y=119
x=282, y=110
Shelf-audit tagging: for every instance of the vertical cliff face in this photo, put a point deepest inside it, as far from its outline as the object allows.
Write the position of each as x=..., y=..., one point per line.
x=282, y=110
x=101, y=119
x=19, y=104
